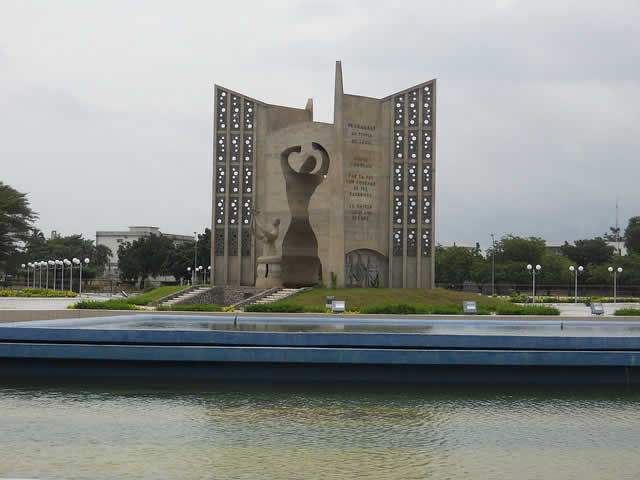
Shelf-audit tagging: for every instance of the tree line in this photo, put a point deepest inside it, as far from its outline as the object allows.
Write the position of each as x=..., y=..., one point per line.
x=157, y=255
x=511, y=254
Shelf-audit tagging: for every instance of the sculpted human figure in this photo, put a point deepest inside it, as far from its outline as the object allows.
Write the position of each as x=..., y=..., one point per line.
x=268, y=234
x=300, y=185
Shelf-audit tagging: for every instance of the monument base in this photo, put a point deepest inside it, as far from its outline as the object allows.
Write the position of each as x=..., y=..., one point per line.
x=269, y=272
x=301, y=271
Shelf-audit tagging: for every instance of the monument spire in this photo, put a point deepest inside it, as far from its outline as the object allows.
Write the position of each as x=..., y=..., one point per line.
x=337, y=101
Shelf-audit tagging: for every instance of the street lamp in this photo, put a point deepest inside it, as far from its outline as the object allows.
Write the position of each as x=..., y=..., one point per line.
x=78, y=262
x=615, y=272
x=189, y=270
x=195, y=258
x=55, y=269
x=33, y=280
x=575, y=271
x=40, y=265
x=61, y=264
x=68, y=264
x=533, y=272
x=493, y=265
x=209, y=270
x=24, y=268
x=49, y=263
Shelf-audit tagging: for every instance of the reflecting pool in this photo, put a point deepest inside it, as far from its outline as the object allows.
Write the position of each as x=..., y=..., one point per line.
x=162, y=431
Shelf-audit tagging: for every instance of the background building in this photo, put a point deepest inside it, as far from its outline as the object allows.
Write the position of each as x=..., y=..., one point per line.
x=113, y=239
x=372, y=216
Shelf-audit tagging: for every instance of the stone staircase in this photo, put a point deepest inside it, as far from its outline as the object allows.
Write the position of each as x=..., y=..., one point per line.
x=185, y=295
x=280, y=294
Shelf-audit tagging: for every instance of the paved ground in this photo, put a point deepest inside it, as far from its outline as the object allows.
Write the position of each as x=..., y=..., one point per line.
x=21, y=303
x=581, y=310
x=30, y=303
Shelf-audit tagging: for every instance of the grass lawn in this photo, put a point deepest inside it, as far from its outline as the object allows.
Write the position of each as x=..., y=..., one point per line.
x=155, y=294
x=131, y=302
x=361, y=297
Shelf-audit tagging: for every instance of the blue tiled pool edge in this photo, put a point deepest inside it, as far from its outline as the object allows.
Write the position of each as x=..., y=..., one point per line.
x=56, y=349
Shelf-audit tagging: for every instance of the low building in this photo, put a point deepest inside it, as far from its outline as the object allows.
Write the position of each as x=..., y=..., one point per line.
x=113, y=239
x=466, y=246
x=556, y=247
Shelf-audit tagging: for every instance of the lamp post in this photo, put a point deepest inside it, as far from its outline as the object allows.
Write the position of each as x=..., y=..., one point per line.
x=576, y=271
x=75, y=262
x=68, y=264
x=533, y=271
x=33, y=279
x=40, y=265
x=49, y=263
x=493, y=265
x=78, y=262
x=27, y=277
x=61, y=263
x=86, y=263
x=195, y=258
x=55, y=269
x=615, y=272
x=189, y=270
x=209, y=270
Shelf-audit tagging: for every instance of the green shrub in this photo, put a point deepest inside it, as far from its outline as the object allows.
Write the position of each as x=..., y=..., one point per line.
x=525, y=310
x=37, y=292
x=586, y=300
x=190, y=308
x=628, y=312
x=396, y=309
x=107, y=305
x=282, y=307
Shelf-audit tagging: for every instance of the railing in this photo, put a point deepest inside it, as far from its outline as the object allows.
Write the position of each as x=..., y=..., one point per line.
x=552, y=290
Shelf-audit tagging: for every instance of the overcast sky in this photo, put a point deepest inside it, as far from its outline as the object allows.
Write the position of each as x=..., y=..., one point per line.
x=106, y=107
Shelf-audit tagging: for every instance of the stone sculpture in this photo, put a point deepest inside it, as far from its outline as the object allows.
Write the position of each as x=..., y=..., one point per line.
x=268, y=273
x=300, y=263
x=268, y=235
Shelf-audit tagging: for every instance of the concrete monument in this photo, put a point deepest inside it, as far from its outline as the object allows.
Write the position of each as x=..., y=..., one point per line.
x=355, y=197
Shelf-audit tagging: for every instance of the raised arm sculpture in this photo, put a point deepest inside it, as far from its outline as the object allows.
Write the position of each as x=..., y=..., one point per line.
x=299, y=245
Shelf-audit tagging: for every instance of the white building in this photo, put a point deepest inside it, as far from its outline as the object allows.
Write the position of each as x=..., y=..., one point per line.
x=113, y=239
x=555, y=247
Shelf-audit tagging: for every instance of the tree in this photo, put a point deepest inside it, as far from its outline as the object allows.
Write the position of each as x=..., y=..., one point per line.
x=38, y=248
x=16, y=219
x=511, y=248
x=204, y=248
x=455, y=265
x=591, y=251
x=613, y=235
x=629, y=276
x=632, y=235
x=555, y=270
x=180, y=258
x=513, y=253
x=146, y=256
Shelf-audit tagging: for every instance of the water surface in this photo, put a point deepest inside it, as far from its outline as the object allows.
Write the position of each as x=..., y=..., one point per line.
x=163, y=431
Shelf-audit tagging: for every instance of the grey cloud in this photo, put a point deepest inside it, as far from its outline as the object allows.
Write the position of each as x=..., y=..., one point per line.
x=537, y=103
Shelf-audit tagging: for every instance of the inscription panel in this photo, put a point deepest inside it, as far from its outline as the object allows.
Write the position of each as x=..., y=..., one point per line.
x=365, y=176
